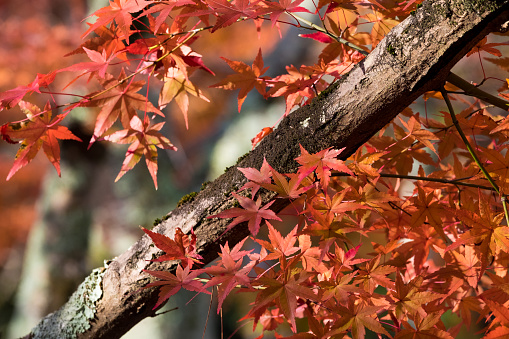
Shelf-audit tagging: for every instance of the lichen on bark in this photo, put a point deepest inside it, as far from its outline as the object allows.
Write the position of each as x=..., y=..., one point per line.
x=76, y=315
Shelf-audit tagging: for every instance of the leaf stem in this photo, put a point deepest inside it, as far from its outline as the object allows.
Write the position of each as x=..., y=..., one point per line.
x=333, y=36
x=414, y=177
x=121, y=81
x=473, y=154
x=466, y=142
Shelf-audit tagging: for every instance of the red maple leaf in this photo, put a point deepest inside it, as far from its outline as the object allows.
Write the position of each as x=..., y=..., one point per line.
x=283, y=6
x=262, y=134
x=374, y=274
x=172, y=283
x=484, y=46
x=229, y=12
x=256, y=177
x=251, y=212
x=38, y=130
x=120, y=12
x=229, y=272
x=428, y=326
x=119, y=99
x=10, y=98
x=164, y=8
x=284, y=291
x=108, y=39
x=98, y=66
x=182, y=247
x=144, y=140
x=246, y=78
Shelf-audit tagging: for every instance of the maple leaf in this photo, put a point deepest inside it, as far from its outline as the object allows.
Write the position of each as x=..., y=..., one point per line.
x=409, y=299
x=310, y=255
x=485, y=231
x=119, y=99
x=144, y=140
x=468, y=265
x=428, y=208
x=259, y=137
x=246, y=78
x=422, y=239
x=120, y=12
x=358, y=317
x=484, y=46
x=108, y=39
x=182, y=247
x=229, y=273
x=284, y=293
x=164, y=9
x=381, y=26
x=374, y=274
x=498, y=166
x=286, y=189
x=424, y=328
x=229, y=12
x=500, y=312
x=282, y=247
x=251, y=212
x=284, y=6
x=176, y=87
x=339, y=287
x=172, y=283
x=342, y=260
x=424, y=136
x=322, y=163
x=38, y=130
x=12, y=97
x=294, y=86
x=256, y=177
x=500, y=332
x=98, y=66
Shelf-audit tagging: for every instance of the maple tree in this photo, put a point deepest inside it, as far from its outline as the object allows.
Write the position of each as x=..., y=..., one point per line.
x=362, y=253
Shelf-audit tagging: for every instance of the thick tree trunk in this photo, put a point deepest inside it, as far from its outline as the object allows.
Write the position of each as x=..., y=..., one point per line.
x=415, y=57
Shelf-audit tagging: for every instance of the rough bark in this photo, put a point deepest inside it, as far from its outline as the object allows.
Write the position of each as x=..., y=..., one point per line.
x=415, y=57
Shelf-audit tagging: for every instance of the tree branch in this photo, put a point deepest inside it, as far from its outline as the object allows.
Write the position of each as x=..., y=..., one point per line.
x=416, y=56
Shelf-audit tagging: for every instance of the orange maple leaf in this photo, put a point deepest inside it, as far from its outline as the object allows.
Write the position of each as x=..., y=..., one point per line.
x=322, y=163
x=246, y=78
x=144, y=140
x=176, y=87
x=119, y=99
x=358, y=317
x=38, y=130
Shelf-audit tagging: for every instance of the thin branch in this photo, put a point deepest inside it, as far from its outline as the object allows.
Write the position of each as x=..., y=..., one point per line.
x=414, y=177
x=475, y=91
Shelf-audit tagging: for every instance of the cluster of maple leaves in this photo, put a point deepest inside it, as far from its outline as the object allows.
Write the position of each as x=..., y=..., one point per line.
x=443, y=246
x=157, y=36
